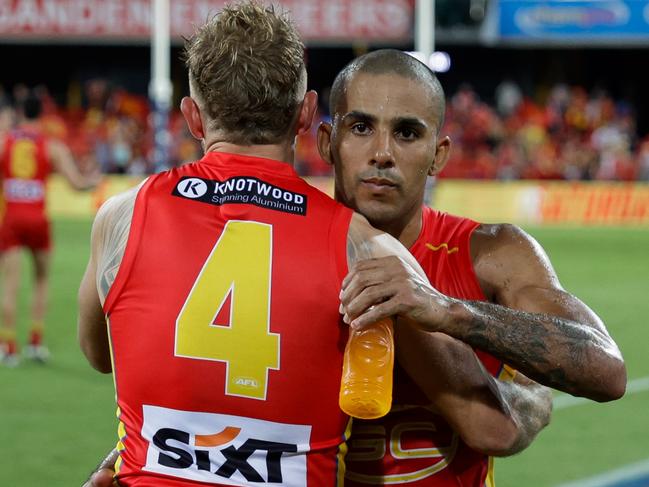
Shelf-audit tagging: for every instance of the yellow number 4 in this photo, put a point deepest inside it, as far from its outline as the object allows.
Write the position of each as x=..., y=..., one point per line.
x=239, y=266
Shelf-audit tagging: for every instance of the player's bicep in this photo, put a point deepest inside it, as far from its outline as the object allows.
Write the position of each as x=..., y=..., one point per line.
x=108, y=241
x=91, y=328
x=523, y=278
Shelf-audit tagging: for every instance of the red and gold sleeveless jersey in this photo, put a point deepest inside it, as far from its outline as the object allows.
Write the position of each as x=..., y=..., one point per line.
x=24, y=168
x=412, y=446
x=225, y=335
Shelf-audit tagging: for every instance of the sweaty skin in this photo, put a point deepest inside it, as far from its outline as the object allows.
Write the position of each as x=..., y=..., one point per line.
x=385, y=132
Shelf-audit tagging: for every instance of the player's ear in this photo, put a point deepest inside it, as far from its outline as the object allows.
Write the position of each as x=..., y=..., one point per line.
x=442, y=152
x=192, y=114
x=324, y=142
x=307, y=110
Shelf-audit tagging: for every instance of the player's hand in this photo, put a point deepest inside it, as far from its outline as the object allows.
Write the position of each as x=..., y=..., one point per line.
x=388, y=286
x=101, y=478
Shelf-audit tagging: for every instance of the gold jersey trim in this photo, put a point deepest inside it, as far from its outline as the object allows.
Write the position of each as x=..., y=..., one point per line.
x=342, y=452
x=442, y=246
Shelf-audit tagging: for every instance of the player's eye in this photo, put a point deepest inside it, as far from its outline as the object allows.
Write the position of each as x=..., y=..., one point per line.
x=360, y=128
x=406, y=133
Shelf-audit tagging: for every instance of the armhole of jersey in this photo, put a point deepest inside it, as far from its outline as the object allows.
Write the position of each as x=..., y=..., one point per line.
x=466, y=246
x=338, y=231
x=132, y=246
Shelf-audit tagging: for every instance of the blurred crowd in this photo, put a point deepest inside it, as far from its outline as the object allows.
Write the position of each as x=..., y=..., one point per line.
x=572, y=135
x=104, y=126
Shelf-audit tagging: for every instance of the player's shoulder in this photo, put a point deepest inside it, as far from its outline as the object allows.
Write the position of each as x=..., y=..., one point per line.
x=117, y=206
x=492, y=235
x=503, y=246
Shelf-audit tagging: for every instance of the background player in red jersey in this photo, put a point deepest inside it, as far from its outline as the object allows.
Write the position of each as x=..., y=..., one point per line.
x=27, y=158
x=493, y=287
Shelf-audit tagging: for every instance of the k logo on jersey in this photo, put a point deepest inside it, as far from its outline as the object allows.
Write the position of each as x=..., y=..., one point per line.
x=242, y=190
x=192, y=188
x=224, y=449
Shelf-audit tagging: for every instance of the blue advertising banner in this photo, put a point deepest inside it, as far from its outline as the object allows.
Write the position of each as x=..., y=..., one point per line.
x=612, y=21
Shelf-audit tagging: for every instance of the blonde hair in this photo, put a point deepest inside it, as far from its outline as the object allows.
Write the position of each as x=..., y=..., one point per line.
x=246, y=70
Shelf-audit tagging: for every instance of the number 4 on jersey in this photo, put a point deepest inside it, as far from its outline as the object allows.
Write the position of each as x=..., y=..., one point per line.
x=240, y=265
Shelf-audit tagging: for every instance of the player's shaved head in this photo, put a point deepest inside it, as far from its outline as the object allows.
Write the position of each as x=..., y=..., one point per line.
x=388, y=61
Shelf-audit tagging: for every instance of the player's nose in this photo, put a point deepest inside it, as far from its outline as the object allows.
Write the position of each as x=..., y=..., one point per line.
x=382, y=153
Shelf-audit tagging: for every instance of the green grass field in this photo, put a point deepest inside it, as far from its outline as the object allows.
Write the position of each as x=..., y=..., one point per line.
x=57, y=421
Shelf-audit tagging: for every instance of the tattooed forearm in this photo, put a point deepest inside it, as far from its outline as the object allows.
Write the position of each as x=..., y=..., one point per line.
x=554, y=351
x=531, y=405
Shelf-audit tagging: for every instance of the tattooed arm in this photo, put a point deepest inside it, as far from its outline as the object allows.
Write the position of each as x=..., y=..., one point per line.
x=539, y=328
x=491, y=416
x=108, y=242
x=532, y=323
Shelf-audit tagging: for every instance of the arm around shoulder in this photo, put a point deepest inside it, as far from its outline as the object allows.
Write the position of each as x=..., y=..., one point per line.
x=491, y=416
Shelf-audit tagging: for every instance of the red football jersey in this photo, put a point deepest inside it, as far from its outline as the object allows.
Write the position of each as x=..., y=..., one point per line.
x=226, y=339
x=25, y=167
x=412, y=445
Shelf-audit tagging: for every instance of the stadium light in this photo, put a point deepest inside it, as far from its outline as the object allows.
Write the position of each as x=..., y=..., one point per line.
x=439, y=61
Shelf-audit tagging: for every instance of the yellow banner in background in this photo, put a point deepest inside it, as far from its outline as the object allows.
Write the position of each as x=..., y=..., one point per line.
x=596, y=203
x=546, y=203
x=489, y=201
x=63, y=200
x=520, y=202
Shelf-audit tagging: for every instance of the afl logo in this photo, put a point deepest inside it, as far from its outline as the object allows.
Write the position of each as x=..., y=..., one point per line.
x=192, y=188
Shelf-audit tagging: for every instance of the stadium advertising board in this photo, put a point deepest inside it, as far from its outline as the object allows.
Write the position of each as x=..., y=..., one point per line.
x=521, y=202
x=594, y=204
x=127, y=21
x=605, y=22
x=546, y=203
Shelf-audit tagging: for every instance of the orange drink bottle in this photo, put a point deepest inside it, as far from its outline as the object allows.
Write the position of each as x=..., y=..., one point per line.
x=366, y=385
